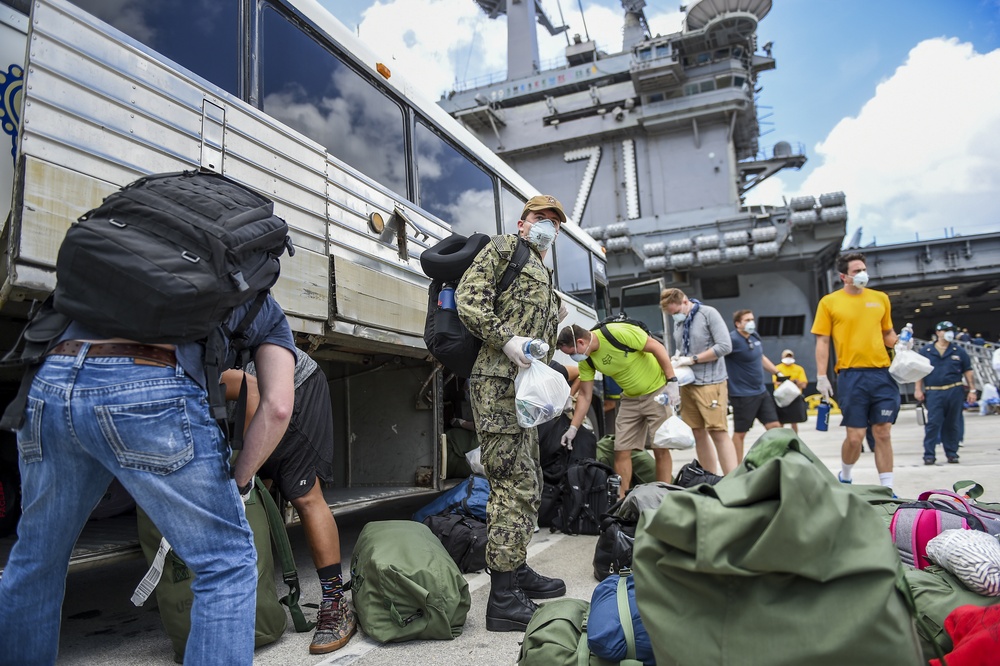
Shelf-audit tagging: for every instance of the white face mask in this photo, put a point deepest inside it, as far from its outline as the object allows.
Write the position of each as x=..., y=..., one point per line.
x=949, y=335
x=541, y=235
x=749, y=327
x=679, y=317
x=861, y=279
x=788, y=360
x=576, y=355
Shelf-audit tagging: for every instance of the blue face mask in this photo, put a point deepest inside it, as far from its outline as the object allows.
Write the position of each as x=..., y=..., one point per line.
x=541, y=235
x=678, y=317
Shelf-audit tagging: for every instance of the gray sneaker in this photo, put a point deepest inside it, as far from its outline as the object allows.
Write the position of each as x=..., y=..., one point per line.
x=335, y=624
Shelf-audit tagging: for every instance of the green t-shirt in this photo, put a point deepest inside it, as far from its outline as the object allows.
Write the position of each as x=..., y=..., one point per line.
x=638, y=372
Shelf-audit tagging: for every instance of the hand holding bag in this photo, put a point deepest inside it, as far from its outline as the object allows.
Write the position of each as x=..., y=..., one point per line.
x=540, y=394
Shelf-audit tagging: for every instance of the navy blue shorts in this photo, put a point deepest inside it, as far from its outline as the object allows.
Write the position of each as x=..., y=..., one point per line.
x=867, y=395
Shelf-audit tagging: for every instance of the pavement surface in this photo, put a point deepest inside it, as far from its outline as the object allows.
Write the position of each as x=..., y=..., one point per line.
x=100, y=626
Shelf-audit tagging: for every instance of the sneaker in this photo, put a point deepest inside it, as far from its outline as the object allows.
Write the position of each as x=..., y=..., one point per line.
x=953, y=460
x=842, y=481
x=928, y=461
x=335, y=624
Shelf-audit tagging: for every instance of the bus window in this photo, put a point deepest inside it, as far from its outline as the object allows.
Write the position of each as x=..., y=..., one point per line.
x=309, y=89
x=202, y=36
x=451, y=186
x=574, y=274
x=511, y=207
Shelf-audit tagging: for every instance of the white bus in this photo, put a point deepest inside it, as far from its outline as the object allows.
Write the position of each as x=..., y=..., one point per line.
x=278, y=95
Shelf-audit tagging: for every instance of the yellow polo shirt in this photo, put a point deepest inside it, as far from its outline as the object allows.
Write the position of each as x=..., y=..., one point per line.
x=856, y=324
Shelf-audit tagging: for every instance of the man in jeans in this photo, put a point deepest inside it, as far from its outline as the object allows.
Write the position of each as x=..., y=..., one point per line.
x=100, y=409
x=701, y=340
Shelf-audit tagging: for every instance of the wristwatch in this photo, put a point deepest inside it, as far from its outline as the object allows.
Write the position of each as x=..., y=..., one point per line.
x=694, y=359
x=671, y=379
x=243, y=490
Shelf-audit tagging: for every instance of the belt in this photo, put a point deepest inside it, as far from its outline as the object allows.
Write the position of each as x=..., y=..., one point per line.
x=147, y=353
x=942, y=388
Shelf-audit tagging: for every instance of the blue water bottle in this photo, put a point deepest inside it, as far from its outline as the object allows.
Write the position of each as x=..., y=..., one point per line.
x=823, y=416
x=446, y=297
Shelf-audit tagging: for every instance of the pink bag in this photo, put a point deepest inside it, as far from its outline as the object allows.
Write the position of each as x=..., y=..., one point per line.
x=915, y=523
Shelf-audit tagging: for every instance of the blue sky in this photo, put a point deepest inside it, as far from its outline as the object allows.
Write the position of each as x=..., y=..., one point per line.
x=897, y=102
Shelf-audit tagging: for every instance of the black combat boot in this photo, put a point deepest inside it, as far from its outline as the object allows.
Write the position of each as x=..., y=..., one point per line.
x=536, y=586
x=508, y=608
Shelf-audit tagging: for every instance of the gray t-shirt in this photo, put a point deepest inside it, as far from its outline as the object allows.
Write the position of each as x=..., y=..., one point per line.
x=304, y=367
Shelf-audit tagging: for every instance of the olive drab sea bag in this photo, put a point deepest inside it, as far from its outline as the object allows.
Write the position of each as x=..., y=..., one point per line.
x=776, y=564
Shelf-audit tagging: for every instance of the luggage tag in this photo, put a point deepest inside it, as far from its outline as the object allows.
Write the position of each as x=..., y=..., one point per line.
x=152, y=577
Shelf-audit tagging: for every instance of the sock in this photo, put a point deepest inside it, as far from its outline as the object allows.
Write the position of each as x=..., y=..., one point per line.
x=845, y=472
x=885, y=479
x=332, y=582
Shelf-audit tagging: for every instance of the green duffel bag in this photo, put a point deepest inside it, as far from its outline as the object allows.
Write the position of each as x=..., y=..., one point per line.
x=173, y=591
x=776, y=564
x=643, y=465
x=936, y=593
x=557, y=636
x=405, y=585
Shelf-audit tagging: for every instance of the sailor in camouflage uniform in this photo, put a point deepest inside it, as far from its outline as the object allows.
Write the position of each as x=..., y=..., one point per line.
x=505, y=322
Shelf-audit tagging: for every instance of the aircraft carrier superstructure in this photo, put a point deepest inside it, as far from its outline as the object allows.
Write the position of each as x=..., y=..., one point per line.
x=653, y=150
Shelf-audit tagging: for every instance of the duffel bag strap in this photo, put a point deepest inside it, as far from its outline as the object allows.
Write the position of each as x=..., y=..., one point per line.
x=289, y=573
x=625, y=616
x=918, y=619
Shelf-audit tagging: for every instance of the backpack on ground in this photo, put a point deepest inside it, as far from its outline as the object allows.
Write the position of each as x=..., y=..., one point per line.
x=584, y=497
x=404, y=584
x=779, y=542
x=643, y=464
x=166, y=259
x=173, y=587
x=692, y=474
x=553, y=456
x=614, y=628
x=467, y=498
x=620, y=318
x=915, y=523
x=557, y=636
x=446, y=337
x=615, y=543
x=463, y=537
x=548, y=508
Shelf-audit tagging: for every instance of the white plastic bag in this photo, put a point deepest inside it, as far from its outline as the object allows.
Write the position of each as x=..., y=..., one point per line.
x=540, y=394
x=674, y=434
x=685, y=375
x=909, y=366
x=474, y=458
x=786, y=393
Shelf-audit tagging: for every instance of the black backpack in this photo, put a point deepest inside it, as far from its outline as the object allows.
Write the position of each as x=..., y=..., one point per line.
x=693, y=474
x=464, y=537
x=619, y=318
x=553, y=456
x=585, y=495
x=166, y=259
x=446, y=337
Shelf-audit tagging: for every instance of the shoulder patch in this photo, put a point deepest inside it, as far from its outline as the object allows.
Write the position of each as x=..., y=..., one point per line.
x=503, y=244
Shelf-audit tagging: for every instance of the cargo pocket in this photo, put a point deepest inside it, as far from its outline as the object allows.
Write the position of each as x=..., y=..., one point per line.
x=150, y=436
x=29, y=437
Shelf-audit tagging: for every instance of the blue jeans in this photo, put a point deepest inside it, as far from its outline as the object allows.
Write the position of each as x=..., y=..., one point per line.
x=945, y=421
x=89, y=419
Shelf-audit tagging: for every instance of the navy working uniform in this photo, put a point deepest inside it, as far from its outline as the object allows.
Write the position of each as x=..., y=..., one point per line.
x=945, y=399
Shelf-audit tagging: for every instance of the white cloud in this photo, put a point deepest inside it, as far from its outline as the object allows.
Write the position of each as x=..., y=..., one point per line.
x=922, y=155
x=436, y=43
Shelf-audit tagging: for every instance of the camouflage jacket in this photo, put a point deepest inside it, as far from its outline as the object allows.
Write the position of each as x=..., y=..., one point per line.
x=529, y=307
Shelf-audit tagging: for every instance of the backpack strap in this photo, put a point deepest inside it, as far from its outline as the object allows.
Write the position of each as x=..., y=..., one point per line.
x=217, y=359
x=615, y=342
x=517, y=261
x=625, y=617
x=289, y=574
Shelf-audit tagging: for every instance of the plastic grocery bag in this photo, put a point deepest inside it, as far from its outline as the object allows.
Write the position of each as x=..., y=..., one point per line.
x=786, y=393
x=909, y=366
x=674, y=434
x=685, y=375
x=540, y=394
x=474, y=458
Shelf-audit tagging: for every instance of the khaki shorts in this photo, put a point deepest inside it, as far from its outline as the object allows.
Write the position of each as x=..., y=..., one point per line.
x=705, y=406
x=637, y=420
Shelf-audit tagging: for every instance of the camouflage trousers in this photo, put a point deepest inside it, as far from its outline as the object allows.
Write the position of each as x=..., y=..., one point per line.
x=510, y=458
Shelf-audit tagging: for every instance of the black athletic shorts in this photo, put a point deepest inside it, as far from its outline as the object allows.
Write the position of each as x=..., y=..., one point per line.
x=306, y=450
x=794, y=412
x=746, y=409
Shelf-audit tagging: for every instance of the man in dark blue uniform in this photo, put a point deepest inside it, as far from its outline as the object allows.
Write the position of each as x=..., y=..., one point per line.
x=944, y=393
x=748, y=393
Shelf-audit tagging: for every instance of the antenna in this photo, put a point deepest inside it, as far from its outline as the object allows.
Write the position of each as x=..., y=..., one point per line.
x=584, y=19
